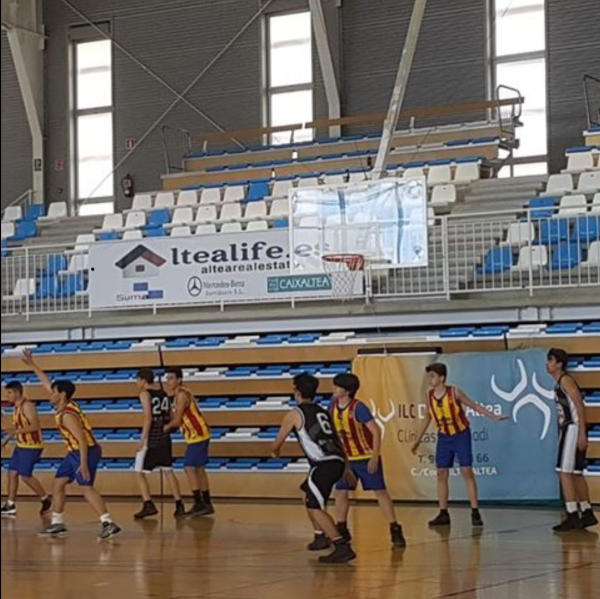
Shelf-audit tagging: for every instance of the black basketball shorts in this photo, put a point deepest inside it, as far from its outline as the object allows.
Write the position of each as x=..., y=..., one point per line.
x=320, y=481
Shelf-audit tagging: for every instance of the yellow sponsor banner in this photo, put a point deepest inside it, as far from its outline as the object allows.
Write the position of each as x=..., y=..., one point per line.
x=394, y=387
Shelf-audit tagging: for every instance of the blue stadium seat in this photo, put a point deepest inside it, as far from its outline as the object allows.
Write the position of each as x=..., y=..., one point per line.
x=274, y=464
x=272, y=339
x=242, y=402
x=157, y=218
x=24, y=230
x=34, y=211
x=94, y=346
x=553, y=230
x=46, y=286
x=55, y=263
x=491, y=331
x=563, y=328
x=210, y=403
x=498, y=259
x=593, y=362
x=71, y=284
x=565, y=255
x=457, y=332
x=304, y=338
x=242, y=464
x=239, y=371
x=155, y=231
x=542, y=207
x=587, y=228
x=258, y=189
x=458, y=142
x=591, y=327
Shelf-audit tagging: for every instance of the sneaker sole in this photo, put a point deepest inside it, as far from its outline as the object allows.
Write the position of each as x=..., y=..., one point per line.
x=56, y=535
x=338, y=561
x=109, y=537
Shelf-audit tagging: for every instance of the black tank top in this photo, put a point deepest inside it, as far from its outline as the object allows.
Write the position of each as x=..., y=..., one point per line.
x=317, y=436
x=160, y=407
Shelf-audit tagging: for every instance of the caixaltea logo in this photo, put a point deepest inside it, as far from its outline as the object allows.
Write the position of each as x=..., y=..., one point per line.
x=140, y=263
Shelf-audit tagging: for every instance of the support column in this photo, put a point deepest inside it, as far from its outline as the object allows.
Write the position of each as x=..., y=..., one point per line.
x=326, y=62
x=408, y=53
x=22, y=20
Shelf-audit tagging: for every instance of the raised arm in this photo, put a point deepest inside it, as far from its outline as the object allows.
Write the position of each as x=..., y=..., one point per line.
x=572, y=390
x=28, y=360
x=291, y=420
x=476, y=407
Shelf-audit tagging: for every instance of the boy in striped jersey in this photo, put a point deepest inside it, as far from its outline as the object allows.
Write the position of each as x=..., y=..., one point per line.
x=445, y=406
x=196, y=433
x=82, y=459
x=361, y=439
x=28, y=433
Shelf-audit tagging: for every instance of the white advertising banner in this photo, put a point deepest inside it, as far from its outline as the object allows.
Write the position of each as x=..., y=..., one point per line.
x=204, y=269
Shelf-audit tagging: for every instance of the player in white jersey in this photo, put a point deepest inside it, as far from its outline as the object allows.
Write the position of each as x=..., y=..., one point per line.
x=572, y=445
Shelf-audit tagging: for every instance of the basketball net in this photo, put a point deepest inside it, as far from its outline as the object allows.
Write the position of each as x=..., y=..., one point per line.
x=343, y=270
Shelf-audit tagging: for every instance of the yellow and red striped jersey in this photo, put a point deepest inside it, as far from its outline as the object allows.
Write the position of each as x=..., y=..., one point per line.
x=26, y=440
x=193, y=425
x=355, y=436
x=72, y=443
x=447, y=412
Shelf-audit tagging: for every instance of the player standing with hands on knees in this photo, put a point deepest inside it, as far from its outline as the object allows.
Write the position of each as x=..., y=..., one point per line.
x=445, y=406
x=81, y=462
x=314, y=429
x=572, y=444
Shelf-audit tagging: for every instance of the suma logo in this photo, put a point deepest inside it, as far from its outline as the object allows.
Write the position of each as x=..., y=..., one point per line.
x=140, y=262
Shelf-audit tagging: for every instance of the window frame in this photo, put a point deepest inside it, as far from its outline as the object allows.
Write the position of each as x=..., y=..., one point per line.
x=271, y=90
x=76, y=36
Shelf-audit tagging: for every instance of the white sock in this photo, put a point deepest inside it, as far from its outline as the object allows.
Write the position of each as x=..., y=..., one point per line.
x=11, y=503
x=318, y=532
x=585, y=505
x=44, y=498
x=571, y=507
x=105, y=518
x=57, y=518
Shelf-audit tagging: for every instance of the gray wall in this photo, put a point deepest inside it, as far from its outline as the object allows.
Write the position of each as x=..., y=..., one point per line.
x=573, y=47
x=176, y=38
x=16, y=139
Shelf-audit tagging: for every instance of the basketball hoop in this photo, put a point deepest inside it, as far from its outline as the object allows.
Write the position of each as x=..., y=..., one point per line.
x=343, y=270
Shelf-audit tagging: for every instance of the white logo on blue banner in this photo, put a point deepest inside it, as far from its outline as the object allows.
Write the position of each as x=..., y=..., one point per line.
x=514, y=459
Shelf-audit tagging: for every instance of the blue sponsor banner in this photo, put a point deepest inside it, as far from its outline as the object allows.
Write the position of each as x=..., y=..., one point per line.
x=514, y=459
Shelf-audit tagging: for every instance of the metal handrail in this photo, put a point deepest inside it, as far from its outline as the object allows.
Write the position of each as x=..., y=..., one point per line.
x=27, y=194
x=188, y=138
x=589, y=113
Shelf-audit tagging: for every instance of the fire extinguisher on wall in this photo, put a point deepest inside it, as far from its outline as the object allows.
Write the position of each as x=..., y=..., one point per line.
x=127, y=186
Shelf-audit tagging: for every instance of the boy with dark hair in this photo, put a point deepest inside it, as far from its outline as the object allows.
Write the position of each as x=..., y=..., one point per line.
x=155, y=450
x=81, y=462
x=196, y=433
x=445, y=406
x=361, y=439
x=313, y=427
x=572, y=444
x=28, y=433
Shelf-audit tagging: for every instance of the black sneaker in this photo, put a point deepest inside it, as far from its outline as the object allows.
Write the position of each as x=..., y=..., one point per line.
x=342, y=528
x=319, y=542
x=109, y=530
x=54, y=530
x=199, y=509
x=46, y=505
x=571, y=522
x=148, y=509
x=9, y=509
x=442, y=519
x=342, y=553
x=179, y=509
x=398, y=539
x=588, y=518
x=476, y=518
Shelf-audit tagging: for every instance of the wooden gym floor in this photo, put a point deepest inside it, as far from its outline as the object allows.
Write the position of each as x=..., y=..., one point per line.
x=256, y=551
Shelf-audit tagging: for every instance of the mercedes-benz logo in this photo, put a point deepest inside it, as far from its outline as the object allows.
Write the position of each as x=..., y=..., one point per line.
x=194, y=286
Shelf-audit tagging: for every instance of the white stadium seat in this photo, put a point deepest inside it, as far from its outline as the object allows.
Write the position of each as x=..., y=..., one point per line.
x=412, y=172
x=211, y=195
x=135, y=219
x=255, y=210
x=356, y=177
x=232, y=211
x=206, y=229
x=596, y=204
x=187, y=197
x=83, y=242
x=442, y=195
x=234, y=193
x=308, y=182
x=593, y=255
x=589, y=182
x=231, y=228
x=181, y=216
x=22, y=288
x=206, y=214
x=77, y=263
x=535, y=256
x=572, y=205
x=8, y=230
x=257, y=225
x=439, y=174
x=141, y=201
x=279, y=209
x=181, y=231
x=133, y=234
x=164, y=199
x=55, y=210
x=337, y=179
x=111, y=222
x=579, y=161
x=281, y=188
x=12, y=213
x=520, y=233
x=466, y=172
x=558, y=184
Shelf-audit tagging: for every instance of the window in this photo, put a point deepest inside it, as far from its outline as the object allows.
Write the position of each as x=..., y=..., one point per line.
x=520, y=62
x=289, y=74
x=93, y=127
